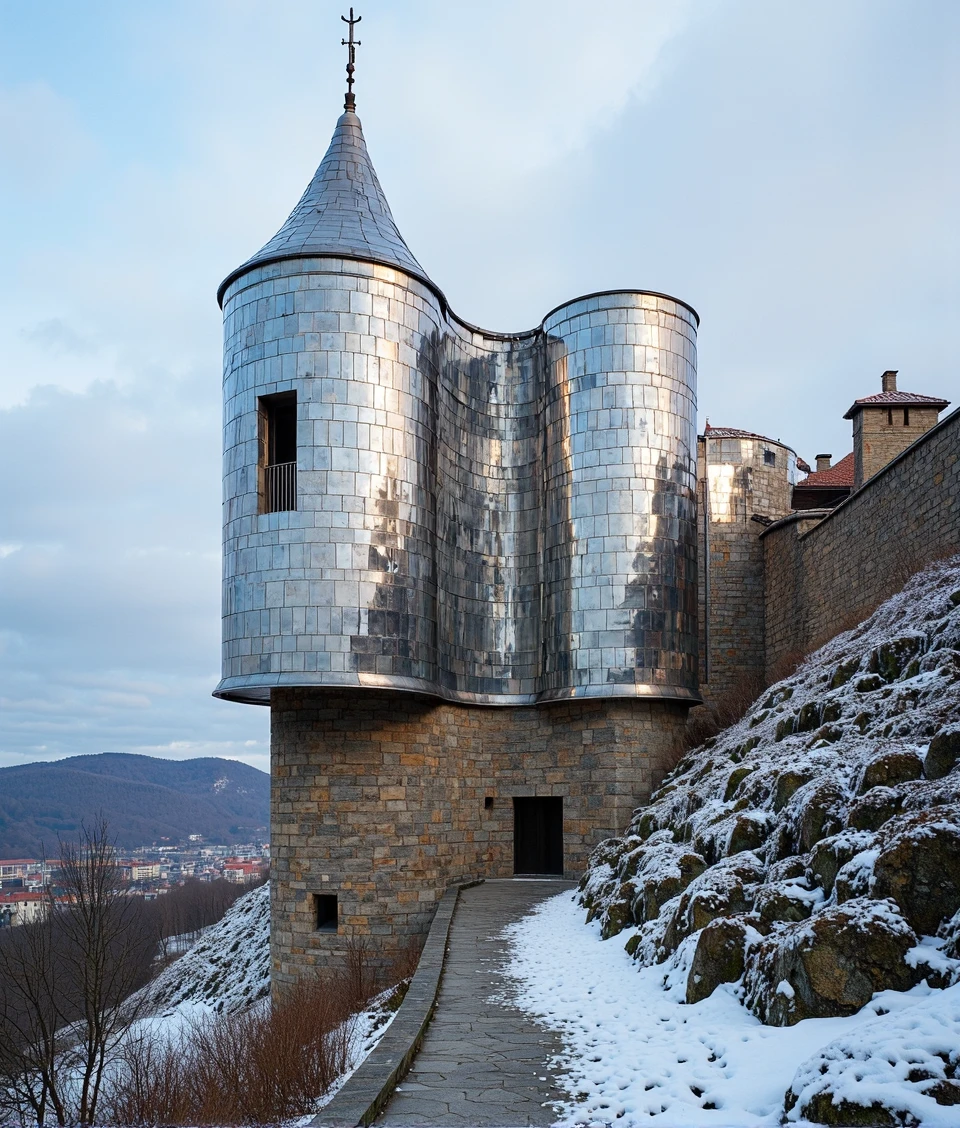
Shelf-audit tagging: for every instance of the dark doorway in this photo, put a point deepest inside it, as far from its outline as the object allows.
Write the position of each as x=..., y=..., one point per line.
x=538, y=836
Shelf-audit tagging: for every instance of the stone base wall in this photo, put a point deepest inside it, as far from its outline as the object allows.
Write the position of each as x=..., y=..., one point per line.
x=824, y=579
x=381, y=799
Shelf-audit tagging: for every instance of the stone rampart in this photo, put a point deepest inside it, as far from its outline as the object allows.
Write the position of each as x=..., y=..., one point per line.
x=823, y=579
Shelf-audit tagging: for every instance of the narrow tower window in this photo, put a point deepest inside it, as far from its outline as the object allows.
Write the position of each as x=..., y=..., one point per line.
x=906, y=417
x=278, y=452
x=325, y=907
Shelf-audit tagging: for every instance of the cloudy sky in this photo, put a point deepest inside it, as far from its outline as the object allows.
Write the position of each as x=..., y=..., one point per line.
x=790, y=169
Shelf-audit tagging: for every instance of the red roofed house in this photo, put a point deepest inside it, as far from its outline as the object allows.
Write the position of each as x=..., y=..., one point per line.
x=16, y=867
x=826, y=486
x=23, y=906
x=243, y=873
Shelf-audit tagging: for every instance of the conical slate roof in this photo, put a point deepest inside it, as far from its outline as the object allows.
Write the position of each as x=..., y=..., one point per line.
x=343, y=213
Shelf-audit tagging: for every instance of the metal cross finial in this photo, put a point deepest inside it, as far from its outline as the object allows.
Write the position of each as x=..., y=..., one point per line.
x=350, y=102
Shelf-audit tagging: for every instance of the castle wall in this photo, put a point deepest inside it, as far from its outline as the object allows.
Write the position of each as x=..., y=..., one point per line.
x=379, y=798
x=823, y=577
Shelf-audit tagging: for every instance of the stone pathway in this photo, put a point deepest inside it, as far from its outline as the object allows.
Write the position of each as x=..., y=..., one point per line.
x=482, y=1063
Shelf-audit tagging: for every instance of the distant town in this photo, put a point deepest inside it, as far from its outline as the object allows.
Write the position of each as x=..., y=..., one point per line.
x=28, y=886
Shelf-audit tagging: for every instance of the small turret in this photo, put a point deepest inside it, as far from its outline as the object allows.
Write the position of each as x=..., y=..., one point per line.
x=887, y=423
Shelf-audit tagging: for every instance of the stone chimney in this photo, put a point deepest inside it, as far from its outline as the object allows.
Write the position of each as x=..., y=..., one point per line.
x=823, y=462
x=889, y=379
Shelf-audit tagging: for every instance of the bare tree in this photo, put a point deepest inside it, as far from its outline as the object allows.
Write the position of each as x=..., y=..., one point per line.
x=68, y=982
x=29, y=1020
x=106, y=952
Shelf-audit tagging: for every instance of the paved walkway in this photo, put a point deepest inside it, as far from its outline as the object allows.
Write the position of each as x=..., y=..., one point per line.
x=482, y=1063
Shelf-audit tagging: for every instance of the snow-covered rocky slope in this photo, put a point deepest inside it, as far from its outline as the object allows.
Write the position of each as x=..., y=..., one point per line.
x=228, y=969
x=810, y=855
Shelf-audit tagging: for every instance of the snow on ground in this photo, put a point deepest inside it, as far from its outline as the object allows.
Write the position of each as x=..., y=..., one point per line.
x=228, y=968
x=636, y=1053
x=795, y=868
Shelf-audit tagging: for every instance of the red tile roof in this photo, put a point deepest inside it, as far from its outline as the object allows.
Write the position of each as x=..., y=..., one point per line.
x=835, y=478
x=897, y=399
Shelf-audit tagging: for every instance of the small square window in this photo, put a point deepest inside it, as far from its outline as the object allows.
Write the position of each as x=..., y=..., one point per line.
x=769, y=458
x=488, y=803
x=325, y=906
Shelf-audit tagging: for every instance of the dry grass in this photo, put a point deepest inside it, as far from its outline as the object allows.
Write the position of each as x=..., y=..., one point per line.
x=261, y=1066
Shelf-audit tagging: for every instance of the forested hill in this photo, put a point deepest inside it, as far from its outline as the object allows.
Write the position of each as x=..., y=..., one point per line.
x=144, y=799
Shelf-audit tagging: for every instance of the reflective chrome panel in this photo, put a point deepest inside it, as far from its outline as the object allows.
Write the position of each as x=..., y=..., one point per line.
x=485, y=518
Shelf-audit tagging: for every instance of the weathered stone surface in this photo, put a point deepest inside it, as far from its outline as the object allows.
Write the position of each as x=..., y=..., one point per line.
x=723, y=890
x=619, y=912
x=749, y=833
x=823, y=813
x=827, y=857
x=890, y=768
x=808, y=589
x=787, y=784
x=876, y=807
x=832, y=964
x=855, y=878
x=820, y=1109
x=783, y=901
x=737, y=776
x=380, y=800
x=919, y=866
x=663, y=885
x=943, y=755
x=891, y=658
x=719, y=958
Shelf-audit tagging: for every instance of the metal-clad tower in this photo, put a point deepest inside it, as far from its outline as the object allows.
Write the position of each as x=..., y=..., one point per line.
x=422, y=518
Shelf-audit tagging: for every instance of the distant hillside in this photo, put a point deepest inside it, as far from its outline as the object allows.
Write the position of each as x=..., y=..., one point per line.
x=145, y=800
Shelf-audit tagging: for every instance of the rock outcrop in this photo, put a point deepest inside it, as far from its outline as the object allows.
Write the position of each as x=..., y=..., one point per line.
x=810, y=854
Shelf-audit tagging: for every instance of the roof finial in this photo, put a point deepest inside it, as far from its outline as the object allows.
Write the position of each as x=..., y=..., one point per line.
x=350, y=102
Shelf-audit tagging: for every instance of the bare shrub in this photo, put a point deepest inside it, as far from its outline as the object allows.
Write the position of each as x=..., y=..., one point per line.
x=718, y=714
x=404, y=963
x=262, y=1066
x=360, y=979
x=67, y=982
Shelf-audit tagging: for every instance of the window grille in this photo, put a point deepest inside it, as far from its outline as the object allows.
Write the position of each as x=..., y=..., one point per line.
x=280, y=487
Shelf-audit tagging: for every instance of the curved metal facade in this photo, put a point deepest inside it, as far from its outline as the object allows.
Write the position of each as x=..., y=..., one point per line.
x=486, y=518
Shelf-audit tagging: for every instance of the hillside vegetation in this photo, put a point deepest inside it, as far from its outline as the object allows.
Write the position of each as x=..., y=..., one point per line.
x=810, y=855
x=145, y=798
